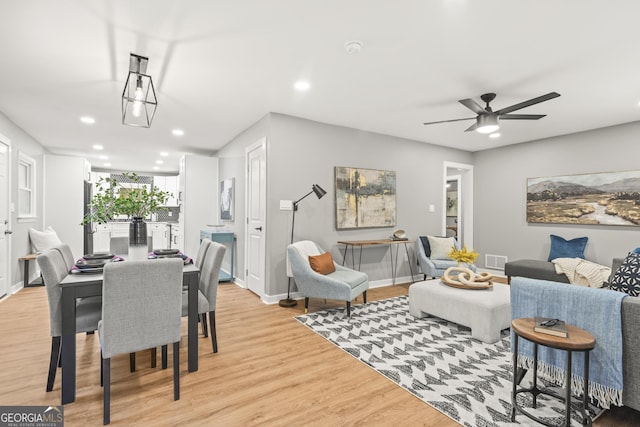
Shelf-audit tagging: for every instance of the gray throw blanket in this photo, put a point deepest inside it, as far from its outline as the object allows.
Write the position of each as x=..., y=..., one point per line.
x=597, y=311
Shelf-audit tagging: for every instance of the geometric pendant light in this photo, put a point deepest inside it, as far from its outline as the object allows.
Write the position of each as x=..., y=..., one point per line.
x=139, y=97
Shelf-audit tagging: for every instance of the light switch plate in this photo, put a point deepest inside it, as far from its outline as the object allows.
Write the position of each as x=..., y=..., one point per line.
x=432, y=208
x=286, y=205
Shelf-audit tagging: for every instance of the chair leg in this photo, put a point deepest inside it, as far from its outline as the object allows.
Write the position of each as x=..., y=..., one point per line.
x=364, y=296
x=132, y=362
x=203, y=320
x=53, y=361
x=349, y=309
x=306, y=304
x=176, y=370
x=164, y=356
x=101, y=370
x=106, y=367
x=212, y=326
x=154, y=355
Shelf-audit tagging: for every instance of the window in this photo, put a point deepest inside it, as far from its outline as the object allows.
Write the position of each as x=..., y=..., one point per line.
x=26, y=187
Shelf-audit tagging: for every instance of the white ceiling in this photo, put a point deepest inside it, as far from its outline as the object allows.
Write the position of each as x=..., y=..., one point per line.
x=219, y=66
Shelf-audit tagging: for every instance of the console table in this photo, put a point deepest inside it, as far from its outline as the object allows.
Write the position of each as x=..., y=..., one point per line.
x=228, y=239
x=389, y=242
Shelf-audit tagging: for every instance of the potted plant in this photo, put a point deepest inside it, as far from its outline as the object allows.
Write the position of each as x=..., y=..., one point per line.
x=115, y=198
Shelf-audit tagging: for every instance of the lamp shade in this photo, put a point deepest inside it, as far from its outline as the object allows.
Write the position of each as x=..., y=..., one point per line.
x=139, y=96
x=318, y=190
x=487, y=123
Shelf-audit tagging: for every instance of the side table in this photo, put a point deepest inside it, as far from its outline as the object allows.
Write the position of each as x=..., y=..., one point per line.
x=577, y=340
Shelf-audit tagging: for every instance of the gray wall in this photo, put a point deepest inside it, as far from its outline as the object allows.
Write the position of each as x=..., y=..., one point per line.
x=301, y=153
x=21, y=141
x=500, y=193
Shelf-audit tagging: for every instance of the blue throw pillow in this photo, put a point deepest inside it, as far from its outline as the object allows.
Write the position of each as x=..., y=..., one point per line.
x=627, y=277
x=636, y=250
x=561, y=248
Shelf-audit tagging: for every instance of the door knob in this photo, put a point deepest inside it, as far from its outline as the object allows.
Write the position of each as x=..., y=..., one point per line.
x=8, y=232
x=258, y=228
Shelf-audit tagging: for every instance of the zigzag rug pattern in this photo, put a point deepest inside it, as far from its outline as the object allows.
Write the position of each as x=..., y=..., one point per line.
x=437, y=361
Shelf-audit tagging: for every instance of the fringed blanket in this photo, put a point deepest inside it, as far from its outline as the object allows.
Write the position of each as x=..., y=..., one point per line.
x=582, y=272
x=595, y=310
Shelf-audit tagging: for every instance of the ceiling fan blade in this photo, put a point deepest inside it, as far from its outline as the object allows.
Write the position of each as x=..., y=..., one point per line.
x=472, y=127
x=473, y=106
x=532, y=101
x=447, y=121
x=521, y=116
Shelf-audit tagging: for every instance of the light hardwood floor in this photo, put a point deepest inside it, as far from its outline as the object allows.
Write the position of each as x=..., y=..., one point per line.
x=270, y=370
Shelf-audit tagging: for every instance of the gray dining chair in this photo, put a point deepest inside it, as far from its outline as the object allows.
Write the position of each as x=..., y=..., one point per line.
x=202, y=251
x=208, y=290
x=67, y=255
x=88, y=310
x=120, y=245
x=141, y=309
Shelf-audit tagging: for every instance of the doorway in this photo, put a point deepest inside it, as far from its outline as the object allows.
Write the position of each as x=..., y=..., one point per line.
x=460, y=219
x=256, y=194
x=5, y=215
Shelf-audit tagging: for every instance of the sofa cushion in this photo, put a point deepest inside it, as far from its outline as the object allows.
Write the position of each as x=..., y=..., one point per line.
x=322, y=264
x=562, y=248
x=627, y=278
x=441, y=246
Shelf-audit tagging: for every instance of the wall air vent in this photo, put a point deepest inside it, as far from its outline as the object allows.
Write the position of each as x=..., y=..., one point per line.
x=496, y=262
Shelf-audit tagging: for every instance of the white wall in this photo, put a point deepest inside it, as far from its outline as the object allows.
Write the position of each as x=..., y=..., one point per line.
x=500, y=189
x=21, y=141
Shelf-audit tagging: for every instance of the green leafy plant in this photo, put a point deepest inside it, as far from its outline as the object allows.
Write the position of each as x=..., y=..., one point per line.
x=113, y=198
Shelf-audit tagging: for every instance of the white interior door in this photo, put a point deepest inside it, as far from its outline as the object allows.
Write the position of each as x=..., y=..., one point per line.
x=464, y=174
x=256, y=182
x=5, y=221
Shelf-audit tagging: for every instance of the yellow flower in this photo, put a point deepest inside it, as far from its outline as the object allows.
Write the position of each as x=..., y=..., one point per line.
x=463, y=255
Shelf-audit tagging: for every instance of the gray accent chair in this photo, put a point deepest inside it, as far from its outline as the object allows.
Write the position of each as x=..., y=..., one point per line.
x=141, y=309
x=208, y=289
x=436, y=267
x=344, y=284
x=88, y=310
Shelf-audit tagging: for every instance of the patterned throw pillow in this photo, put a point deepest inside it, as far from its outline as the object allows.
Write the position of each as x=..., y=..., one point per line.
x=627, y=278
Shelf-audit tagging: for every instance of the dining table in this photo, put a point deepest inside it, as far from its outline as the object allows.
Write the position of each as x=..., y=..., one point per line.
x=82, y=285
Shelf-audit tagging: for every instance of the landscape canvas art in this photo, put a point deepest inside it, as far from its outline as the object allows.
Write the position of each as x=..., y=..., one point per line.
x=610, y=198
x=365, y=198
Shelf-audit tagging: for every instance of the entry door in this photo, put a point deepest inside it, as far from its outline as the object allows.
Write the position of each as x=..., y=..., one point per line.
x=256, y=159
x=5, y=222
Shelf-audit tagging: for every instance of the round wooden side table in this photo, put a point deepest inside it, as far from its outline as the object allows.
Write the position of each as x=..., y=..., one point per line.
x=577, y=340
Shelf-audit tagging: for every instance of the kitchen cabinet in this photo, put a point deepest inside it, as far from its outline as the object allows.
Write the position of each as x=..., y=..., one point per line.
x=199, y=207
x=170, y=185
x=104, y=233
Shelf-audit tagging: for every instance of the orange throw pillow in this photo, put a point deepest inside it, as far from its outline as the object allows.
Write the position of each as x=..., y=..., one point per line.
x=322, y=264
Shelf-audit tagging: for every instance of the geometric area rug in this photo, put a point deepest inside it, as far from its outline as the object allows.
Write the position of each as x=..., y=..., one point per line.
x=435, y=360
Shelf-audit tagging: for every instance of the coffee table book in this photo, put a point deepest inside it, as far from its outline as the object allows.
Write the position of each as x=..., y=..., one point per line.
x=559, y=329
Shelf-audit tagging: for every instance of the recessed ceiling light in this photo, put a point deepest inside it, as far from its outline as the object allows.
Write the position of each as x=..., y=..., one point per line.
x=495, y=135
x=164, y=153
x=98, y=147
x=87, y=120
x=301, y=85
x=159, y=162
x=155, y=168
x=177, y=132
x=103, y=157
x=107, y=164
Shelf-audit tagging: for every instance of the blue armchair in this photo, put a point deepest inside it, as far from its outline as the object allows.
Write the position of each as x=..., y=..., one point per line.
x=436, y=267
x=343, y=284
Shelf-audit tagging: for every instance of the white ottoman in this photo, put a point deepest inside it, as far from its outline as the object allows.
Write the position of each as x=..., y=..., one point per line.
x=486, y=311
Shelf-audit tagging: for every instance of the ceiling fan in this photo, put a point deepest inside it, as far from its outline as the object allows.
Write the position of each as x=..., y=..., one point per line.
x=487, y=120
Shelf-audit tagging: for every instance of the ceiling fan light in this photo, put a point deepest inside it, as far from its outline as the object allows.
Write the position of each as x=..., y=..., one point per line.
x=487, y=123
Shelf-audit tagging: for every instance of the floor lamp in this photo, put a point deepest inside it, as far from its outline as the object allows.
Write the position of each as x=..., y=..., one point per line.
x=319, y=191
